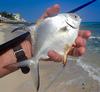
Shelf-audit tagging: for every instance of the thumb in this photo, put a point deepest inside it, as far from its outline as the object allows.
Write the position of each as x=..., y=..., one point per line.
x=51, y=11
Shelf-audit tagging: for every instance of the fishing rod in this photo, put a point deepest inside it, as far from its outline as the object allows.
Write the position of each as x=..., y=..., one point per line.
x=81, y=7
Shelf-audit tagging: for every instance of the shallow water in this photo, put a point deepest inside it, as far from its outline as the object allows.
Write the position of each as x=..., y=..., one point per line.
x=91, y=59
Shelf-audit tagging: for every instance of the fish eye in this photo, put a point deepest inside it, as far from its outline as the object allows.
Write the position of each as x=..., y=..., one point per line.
x=75, y=16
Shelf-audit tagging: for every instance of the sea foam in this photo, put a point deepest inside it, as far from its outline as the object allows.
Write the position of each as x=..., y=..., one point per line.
x=92, y=71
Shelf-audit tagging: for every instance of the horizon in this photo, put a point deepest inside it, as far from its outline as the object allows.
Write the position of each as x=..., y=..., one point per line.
x=26, y=8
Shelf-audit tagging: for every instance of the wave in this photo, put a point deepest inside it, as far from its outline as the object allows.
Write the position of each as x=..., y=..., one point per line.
x=92, y=71
x=94, y=43
x=95, y=37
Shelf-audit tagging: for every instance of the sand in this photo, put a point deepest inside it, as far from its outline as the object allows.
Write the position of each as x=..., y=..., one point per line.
x=71, y=79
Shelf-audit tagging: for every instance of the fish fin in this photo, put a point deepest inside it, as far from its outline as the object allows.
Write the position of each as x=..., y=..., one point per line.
x=34, y=67
x=66, y=51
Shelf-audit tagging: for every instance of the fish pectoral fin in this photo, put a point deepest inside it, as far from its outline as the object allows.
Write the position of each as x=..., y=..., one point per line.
x=65, y=59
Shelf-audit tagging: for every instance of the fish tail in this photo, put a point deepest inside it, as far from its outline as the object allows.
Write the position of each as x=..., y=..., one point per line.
x=34, y=67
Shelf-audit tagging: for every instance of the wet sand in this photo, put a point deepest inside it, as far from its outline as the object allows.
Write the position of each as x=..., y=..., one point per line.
x=70, y=79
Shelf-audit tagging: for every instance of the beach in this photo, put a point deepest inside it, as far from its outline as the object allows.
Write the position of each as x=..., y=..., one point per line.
x=82, y=75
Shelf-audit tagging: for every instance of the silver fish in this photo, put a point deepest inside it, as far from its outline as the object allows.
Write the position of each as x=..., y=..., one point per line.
x=56, y=33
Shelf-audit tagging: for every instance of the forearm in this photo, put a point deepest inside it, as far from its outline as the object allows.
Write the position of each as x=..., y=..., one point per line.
x=9, y=58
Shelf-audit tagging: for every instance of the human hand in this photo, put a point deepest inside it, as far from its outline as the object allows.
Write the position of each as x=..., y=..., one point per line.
x=78, y=49
x=80, y=43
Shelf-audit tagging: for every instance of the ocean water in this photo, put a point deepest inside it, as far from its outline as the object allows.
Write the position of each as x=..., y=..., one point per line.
x=90, y=62
x=93, y=43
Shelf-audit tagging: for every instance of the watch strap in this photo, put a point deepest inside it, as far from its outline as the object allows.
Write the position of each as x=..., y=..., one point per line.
x=20, y=55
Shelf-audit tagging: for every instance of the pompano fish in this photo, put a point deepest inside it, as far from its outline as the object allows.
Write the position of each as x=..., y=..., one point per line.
x=56, y=33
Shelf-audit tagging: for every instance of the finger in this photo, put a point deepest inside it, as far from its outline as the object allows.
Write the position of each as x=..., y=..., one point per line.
x=80, y=42
x=85, y=34
x=77, y=51
x=51, y=11
x=55, y=56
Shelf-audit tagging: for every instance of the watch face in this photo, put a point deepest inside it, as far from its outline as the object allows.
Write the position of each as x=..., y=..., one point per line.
x=8, y=36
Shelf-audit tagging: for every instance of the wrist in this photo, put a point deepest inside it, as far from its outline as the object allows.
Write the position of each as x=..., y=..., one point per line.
x=23, y=53
x=9, y=58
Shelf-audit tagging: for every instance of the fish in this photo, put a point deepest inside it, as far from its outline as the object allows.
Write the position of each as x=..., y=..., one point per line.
x=56, y=33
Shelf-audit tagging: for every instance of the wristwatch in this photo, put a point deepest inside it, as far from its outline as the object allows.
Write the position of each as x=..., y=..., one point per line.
x=20, y=56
